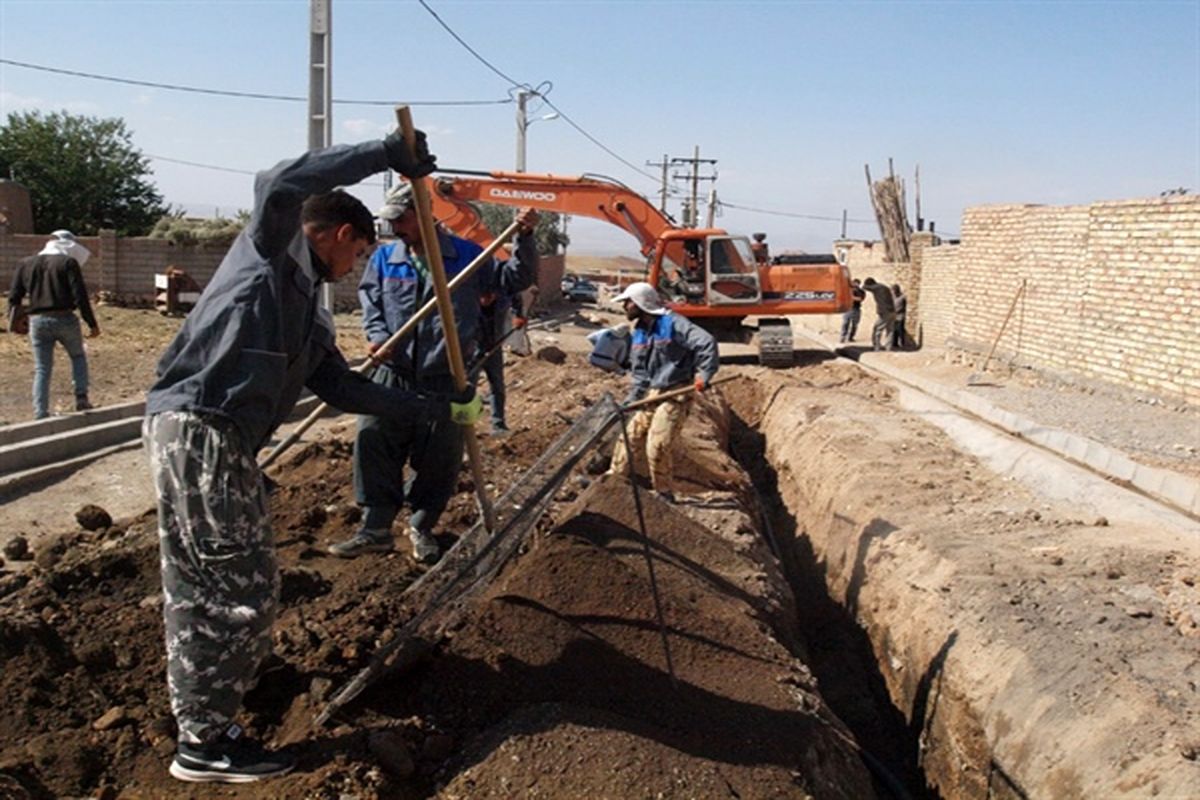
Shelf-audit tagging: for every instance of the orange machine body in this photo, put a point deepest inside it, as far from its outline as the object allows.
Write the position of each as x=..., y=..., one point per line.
x=705, y=273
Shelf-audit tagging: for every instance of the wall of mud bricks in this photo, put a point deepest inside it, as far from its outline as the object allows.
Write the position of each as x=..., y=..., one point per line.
x=1112, y=291
x=126, y=266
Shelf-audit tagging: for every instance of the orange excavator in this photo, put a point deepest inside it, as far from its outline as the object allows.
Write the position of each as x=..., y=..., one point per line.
x=706, y=274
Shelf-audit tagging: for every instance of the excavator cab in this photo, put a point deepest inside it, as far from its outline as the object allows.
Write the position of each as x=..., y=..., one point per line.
x=733, y=273
x=706, y=268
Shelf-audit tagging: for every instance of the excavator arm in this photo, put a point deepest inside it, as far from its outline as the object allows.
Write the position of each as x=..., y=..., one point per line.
x=453, y=191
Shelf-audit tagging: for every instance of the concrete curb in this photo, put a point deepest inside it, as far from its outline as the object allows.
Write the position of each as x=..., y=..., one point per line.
x=1177, y=490
x=76, y=441
x=37, y=429
x=17, y=484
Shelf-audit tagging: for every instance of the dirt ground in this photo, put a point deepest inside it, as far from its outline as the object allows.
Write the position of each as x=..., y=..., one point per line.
x=555, y=683
x=121, y=360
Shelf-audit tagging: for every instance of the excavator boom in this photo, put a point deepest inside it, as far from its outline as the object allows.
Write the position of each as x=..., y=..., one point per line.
x=582, y=196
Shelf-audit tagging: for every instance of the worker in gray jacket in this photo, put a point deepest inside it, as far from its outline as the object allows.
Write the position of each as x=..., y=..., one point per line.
x=255, y=339
x=883, y=333
x=667, y=351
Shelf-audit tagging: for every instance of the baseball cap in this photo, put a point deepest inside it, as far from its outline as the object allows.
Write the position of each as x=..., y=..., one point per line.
x=643, y=296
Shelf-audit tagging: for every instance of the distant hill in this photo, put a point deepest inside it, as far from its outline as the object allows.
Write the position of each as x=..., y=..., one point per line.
x=580, y=262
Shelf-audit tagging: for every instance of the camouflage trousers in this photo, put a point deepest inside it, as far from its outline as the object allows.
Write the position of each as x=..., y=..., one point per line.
x=219, y=574
x=654, y=428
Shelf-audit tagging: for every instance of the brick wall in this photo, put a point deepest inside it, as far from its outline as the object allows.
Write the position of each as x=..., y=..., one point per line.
x=1112, y=291
x=127, y=266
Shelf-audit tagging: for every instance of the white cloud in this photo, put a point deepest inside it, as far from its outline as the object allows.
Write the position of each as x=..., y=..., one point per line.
x=10, y=101
x=364, y=128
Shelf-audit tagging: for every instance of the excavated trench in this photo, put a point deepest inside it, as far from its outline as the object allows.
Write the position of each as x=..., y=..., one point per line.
x=834, y=645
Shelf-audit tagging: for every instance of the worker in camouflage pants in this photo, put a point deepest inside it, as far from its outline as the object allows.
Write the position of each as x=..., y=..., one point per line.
x=654, y=428
x=212, y=509
x=255, y=340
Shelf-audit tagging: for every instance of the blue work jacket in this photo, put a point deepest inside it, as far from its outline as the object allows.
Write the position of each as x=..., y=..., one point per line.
x=669, y=353
x=392, y=289
x=257, y=335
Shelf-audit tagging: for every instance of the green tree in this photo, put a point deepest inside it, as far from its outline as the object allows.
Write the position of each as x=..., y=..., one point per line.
x=548, y=233
x=82, y=173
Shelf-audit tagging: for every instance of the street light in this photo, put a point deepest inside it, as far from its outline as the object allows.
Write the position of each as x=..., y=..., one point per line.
x=523, y=122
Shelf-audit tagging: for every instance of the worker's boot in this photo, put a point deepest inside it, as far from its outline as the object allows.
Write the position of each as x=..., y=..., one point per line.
x=82, y=403
x=425, y=547
x=230, y=759
x=367, y=540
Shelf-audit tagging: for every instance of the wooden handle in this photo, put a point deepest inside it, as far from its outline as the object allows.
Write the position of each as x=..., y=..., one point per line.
x=433, y=254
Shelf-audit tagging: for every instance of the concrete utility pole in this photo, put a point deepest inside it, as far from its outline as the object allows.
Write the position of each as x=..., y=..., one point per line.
x=320, y=93
x=691, y=219
x=523, y=123
x=662, y=192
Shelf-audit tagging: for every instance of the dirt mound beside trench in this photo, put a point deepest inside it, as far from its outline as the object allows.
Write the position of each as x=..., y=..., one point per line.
x=560, y=664
x=569, y=643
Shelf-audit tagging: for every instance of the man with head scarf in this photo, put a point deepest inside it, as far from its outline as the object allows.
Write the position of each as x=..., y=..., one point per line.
x=53, y=282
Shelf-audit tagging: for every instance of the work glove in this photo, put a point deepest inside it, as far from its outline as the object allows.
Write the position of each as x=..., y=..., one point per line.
x=466, y=413
x=414, y=165
x=701, y=384
x=520, y=322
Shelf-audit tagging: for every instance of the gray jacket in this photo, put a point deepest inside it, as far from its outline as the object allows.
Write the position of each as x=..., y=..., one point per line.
x=257, y=336
x=669, y=354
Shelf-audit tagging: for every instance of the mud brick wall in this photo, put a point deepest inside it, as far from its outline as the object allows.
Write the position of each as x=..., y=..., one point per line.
x=1112, y=291
x=126, y=266
x=939, y=271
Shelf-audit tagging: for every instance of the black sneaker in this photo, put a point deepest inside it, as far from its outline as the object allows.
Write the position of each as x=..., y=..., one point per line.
x=82, y=403
x=230, y=759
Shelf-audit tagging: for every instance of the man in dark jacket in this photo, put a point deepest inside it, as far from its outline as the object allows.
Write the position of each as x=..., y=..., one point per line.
x=851, y=317
x=667, y=351
x=395, y=284
x=53, y=282
x=255, y=339
x=883, y=332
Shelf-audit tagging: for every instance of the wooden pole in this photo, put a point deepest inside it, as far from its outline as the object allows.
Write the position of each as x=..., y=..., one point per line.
x=380, y=356
x=433, y=254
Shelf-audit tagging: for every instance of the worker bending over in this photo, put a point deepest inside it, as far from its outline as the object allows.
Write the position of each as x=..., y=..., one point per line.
x=667, y=351
x=233, y=373
x=395, y=284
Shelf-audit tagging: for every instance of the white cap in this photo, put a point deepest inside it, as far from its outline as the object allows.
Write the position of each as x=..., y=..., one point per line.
x=643, y=296
x=399, y=201
x=63, y=235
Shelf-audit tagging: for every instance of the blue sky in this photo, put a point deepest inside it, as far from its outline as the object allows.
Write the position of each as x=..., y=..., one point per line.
x=998, y=102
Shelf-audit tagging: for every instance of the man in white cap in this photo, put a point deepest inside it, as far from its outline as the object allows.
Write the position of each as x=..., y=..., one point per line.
x=53, y=281
x=394, y=285
x=667, y=351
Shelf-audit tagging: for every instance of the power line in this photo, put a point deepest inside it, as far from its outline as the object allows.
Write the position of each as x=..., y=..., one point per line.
x=250, y=95
x=792, y=214
x=518, y=85
x=227, y=169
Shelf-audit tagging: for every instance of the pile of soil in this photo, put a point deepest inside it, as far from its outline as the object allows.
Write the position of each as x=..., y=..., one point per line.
x=556, y=682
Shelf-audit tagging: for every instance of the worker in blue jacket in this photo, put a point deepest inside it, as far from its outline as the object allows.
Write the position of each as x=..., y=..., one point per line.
x=232, y=374
x=395, y=284
x=667, y=351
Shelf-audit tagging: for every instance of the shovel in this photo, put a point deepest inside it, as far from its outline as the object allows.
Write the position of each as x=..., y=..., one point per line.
x=980, y=378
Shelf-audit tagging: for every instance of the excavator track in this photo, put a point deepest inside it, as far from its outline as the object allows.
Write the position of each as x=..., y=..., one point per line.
x=775, y=343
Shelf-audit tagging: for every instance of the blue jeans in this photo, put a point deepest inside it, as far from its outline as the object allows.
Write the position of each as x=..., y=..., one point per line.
x=44, y=331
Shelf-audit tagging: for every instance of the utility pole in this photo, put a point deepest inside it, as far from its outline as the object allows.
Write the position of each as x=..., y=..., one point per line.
x=522, y=124
x=662, y=192
x=320, y=97
x=695, y=178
